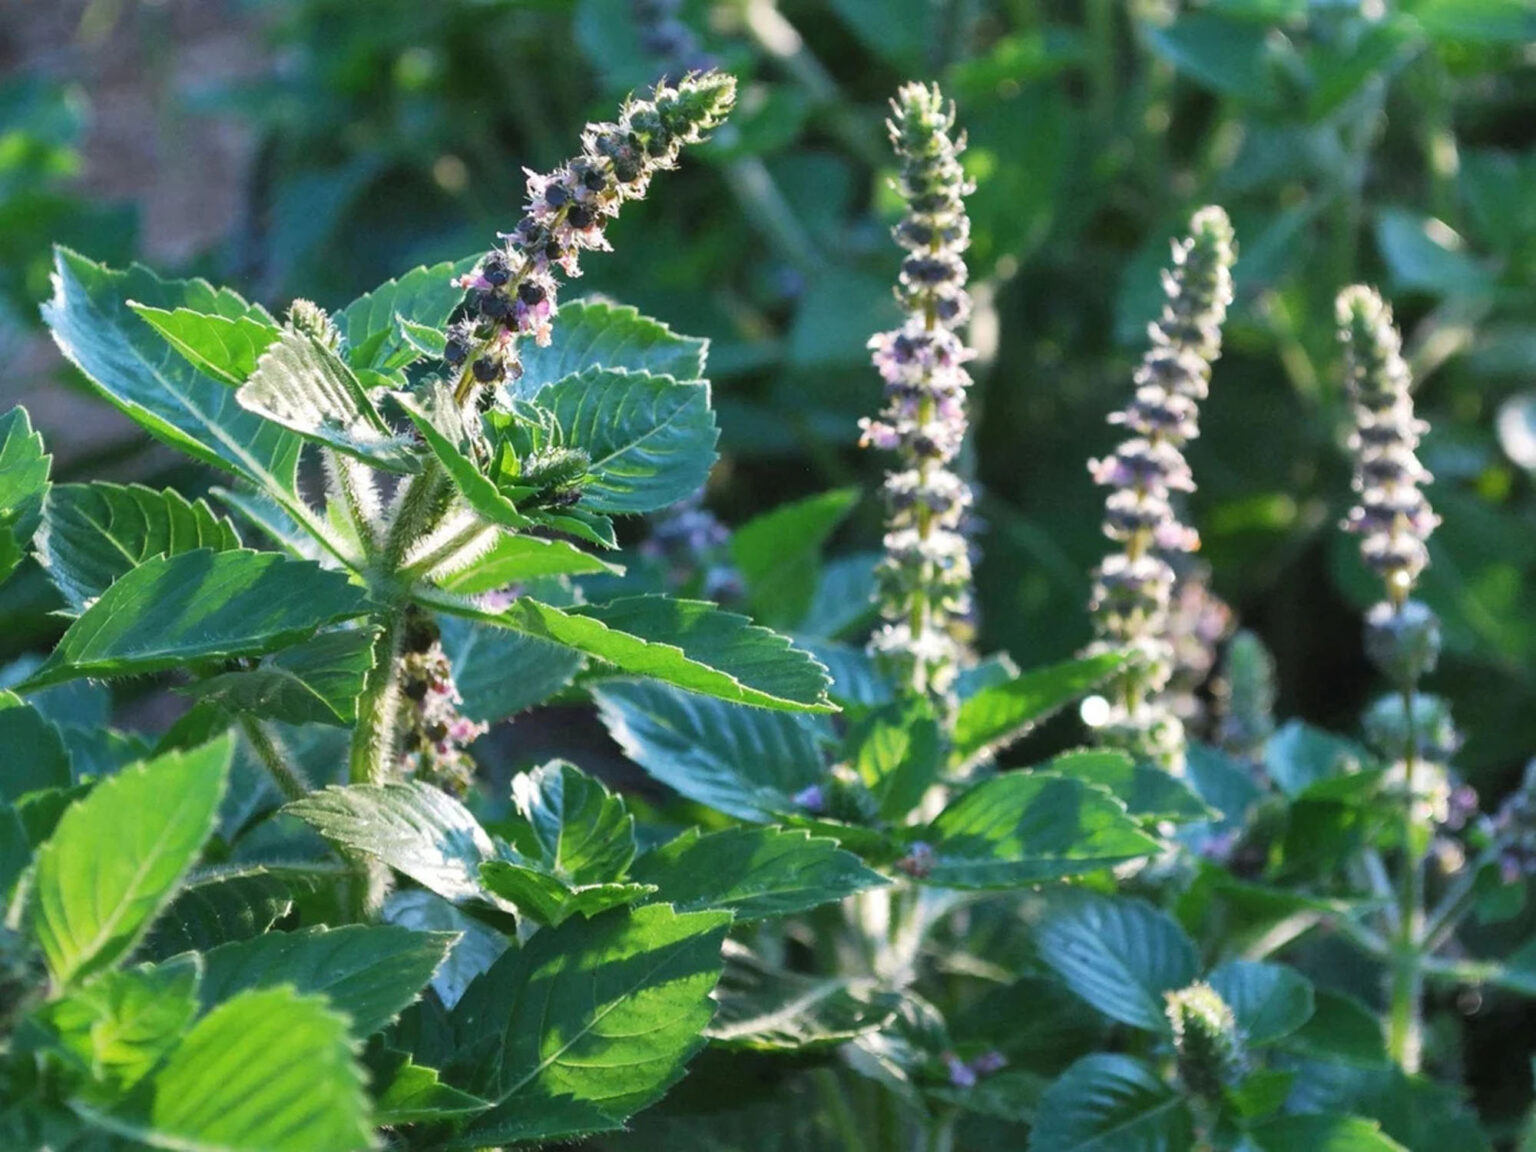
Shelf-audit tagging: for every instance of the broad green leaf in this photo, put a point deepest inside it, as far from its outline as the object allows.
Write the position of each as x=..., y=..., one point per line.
x=1424, y=254
x=1019, y=828
x=24, y=468
x=411, y=1094
x=844, y=600
x=35, y=755
x=746, y=762
x=219, y=909
x=779, y=554
x=1120, y=955
x=307, y=388
x=687, y=643
x=1035, y=1022
x=500, y=673
x=173, y=610
x=225, y=347
x=368, y=971
x=577, y=829
x=1228, y=56
x=586, y=1024
x=513, y=559
x=1342, y=1030
x=1149, y=794
x=15, y=849
x=997, y=716
x=269, y=1070
x=425, y=296
x=94, y=533
x=591, y=334
x=1107, y=1103
x=121, y=1024
x=416, y=829
x=766, y=1009
x=1299, y=756
x=898, y=752
x=752, y=872
x=40, y=812
x=316, y=682
x=651, y=438
x=1321, y=1132
x=476, y=948
x=1270, y=1001
x=547, y=899
x=1415, y=1112
x=117, y=856
x=1477, y=21
x=856, y=674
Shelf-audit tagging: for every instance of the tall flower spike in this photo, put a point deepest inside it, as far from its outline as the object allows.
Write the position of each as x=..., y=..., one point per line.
x=512, y=290
x=925, y=578
x=1132, y=588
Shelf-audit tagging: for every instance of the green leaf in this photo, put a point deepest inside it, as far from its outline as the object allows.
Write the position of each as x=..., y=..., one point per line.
x=1270, y=1001
x=225, y=347
x=753, y=872
x=269, y=1070
x=1477, y=21
x=424, y=296
x=586, y=1024
x=578, y=829
x=23, y=485
x=15, y=850
x=844, y=600
x=1107, y=1103
x=220, y=909
x=316, y=682
x=651, y=438
x=1321, y=1133
x=304, y=386
x=1119, y=955
x=1425, y=254
x=1227, y=56
x=35, y=755
x=1149, y=794
x=442, y=426
x=998, y=715
x=779, y=554
x=898, y=752
x=369, y=971
x=745, y=762
x=514, y=559
x=591, y=334
x=547, y=899
x=1341, y=1030
x=1019, y=828
x=412, y=1094
x=766, y=1009
x=416, y=829
x=117, y=856
x=476, y=948
x=94, y=533
x=120, y=1025
x=173, y=610
x=688, y=643
x=500, y=673
x=1299, y=757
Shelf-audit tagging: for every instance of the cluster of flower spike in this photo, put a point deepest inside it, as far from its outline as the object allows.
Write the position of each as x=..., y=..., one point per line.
x=1393, y=518
x=1208, y=1045
x=1132, y=588
x=434, y=736
x=511, y=293
x=925, y=578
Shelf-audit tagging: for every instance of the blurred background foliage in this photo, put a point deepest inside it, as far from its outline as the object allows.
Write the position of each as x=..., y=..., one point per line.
x=316, y=147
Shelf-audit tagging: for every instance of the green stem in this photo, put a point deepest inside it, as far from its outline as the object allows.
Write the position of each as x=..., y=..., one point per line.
x=1405, y=1022
x=940, y=1136
x=289, y=780
x=373, y=737
x=1453, y=905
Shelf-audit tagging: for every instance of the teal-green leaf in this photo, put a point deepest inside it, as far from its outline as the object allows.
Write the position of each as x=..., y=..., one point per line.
x=753, y=872
x=94, y=533
x=225, y=347
x=586, y=1024
x=476, y=947
x=316, y=682
x=998, y=715
x=1321, y=1132
x=578, y=829
x=500, y=673
x=369, y=971
x=1269, y=1001
x=218, y=909
x=1120, y=955
x=767, y=1009
x=173, y=610
x=592, y=334
x=547, y=899
x=1149, y=794
x=779, y=554
x=424, y=296
x=1109, y=1103
x=116, y=857
x=651, y=439
x=898, y=751
x=23, y=485
x=35, y=755
x=1019, y=828
x=745, y=762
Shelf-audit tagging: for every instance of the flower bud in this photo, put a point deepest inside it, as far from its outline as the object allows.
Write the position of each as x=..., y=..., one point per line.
x=1389, y=728
x=1208, y=1045
x=1403, y=642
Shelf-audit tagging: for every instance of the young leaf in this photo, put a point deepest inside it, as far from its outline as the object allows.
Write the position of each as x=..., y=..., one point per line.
x=1321, y=1132
x=765, y=1009
x=1270, y=1001
x=500, y=673
x=753, y=872
x=220, y=909
x=368, y=971
x=997, y=716
x=1149, y=794
x=591, y=334
x=651, y=439
x=745, y=762
x=316, y=682
x=1107, y=1103
x=442, y=426
x=23, y=485
x=476, y=948
x=586, y=1024
x=304, y=386
x=173, y=610
x=423, y=296
x=577, y=828
x=547, y=899
x=1020, y=828
x=225, y=347
x=1119, y=955
x=117, y=856
x=779, y=554
x=94, y=533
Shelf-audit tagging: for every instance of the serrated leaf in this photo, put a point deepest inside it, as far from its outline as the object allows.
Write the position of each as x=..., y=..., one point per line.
x=898, y=752
x=587, y=1024
x=547, y=899
x=94, y=533
x=269, y=1070
x=745, y=762
x=688, y=643
x=475, y=948
x=1108, y=1103
x=117, y=856
x=651, y=439
x=1019, y=828
x=753, y=872
x=173, y=610
x=121, y=1024
x=779, y=554
x=24, y=468
x=368, y=971
x=412, y=1094
x=220, y=909
x=1321, y=1132
x=1269, y=1001
x=1120, y=955
x=307, y=388
x=416, y=829
x=500, y=673
x=35, y=755
x=592, y=334
x=766, y=1009
x=997, y=716
x=514, y=559
x=1149, y=794
x=424, y=296
x=576, y=828
x=441, y=425
x=316, y=682
x=225, y=347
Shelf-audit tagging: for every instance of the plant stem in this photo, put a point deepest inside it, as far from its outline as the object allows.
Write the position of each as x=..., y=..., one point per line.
x=940, y=1136
x=1405, y=1023
x=290, y=782
x=373, y=737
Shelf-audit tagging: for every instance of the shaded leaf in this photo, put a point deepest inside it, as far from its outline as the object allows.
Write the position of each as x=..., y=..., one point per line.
x=765, y=1009
x=411, y=1094
x=23, y=485
x=1149, y=794
x=779, y=554
x=998, y=715
x=476, y=948
x=316, y=682
x=1321, y=1133
x=1270, y=1001
x=547, y=899
x=218, y=910
x=1107, y=1103
x=500, y=673
x=35, y=755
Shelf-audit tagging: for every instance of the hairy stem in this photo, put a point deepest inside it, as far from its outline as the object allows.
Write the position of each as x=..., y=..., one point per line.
x=373, y=737
x=289, y=780
x=1405, y=1023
